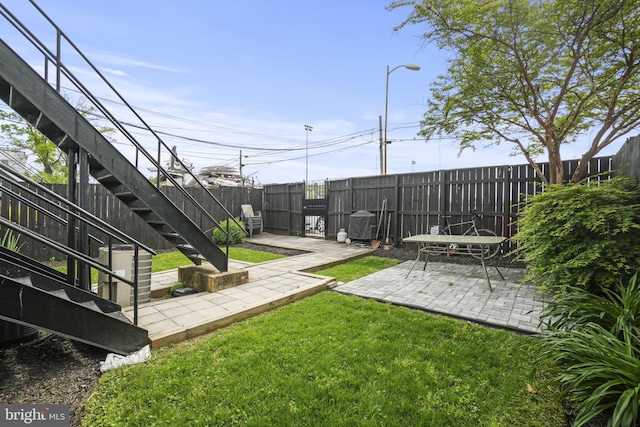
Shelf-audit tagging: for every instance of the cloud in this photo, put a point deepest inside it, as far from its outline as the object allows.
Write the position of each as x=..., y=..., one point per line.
x=119, y=73
x=123, y=61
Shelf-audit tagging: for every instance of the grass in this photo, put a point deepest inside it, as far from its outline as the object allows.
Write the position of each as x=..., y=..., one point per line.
x=333, y=360
x=175, y=259
x=357, y=268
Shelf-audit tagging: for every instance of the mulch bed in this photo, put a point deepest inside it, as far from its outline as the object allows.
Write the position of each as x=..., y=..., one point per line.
x=50, y=370
x=55, y=370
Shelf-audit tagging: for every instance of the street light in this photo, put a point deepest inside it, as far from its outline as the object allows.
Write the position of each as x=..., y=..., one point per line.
x=306, y=179
x=383, y=153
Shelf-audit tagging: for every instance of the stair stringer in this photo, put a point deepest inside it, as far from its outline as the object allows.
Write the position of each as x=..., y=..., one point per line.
x=23, y=304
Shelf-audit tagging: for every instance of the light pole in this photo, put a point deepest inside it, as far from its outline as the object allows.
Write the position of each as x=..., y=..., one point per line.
x=306, y=176
x=411, y=67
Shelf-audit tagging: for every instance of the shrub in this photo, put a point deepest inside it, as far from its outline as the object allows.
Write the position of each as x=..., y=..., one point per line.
x=616, y=310
x=596, y=341
x=236, y=233
x=581, y=235
x=11, y=241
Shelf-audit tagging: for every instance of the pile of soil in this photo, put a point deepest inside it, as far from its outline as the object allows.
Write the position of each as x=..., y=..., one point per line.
x=55, y=370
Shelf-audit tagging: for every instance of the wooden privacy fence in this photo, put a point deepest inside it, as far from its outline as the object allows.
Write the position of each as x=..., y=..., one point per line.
x=415, y=201
x=107, y=207
x=283, y=204
x=418, y=201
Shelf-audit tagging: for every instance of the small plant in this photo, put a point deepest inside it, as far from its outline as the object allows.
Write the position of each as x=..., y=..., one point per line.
x=595, y=339
x=581, y=235
x=236, y=233
x=616, y=310
x=11, y=241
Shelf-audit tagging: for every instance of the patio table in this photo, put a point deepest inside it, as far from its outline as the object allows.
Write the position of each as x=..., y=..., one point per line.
x=472, y=245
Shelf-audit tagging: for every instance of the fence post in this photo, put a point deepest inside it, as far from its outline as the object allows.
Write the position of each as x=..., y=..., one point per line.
x=396, y=213
x=442, y=196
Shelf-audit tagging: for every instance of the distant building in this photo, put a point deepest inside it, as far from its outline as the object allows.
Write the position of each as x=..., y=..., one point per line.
x=212, y=176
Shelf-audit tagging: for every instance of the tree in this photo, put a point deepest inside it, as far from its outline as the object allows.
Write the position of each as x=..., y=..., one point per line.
x=535, y=73
x=51, y=160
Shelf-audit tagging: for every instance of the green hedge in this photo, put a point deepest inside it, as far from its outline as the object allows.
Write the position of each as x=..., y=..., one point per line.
x=581, y=235
x=236, y=233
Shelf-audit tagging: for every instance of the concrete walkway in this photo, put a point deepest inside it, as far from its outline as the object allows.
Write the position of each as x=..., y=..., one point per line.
x=456, y=290
x=271, y=284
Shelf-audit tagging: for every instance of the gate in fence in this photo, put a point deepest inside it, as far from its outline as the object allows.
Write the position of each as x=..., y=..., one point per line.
x=314, y=209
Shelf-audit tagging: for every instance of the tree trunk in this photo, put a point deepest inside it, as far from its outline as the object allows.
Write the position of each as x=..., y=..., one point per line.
x=582, y=165
x=556, y=170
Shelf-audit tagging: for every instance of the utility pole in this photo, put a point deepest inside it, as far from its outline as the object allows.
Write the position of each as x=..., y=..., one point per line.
x=306, y=176
x=411, y=67
x=240, y=169
x=381, y=146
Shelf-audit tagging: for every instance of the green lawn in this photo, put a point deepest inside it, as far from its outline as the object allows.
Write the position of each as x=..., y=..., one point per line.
x=357, y=268
x=333, y=360
x=175, y=259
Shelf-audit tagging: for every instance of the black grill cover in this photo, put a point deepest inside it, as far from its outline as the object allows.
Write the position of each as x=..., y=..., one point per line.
x=362, y=226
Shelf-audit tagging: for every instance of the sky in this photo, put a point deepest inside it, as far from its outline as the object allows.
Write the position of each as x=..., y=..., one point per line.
x=224, y=79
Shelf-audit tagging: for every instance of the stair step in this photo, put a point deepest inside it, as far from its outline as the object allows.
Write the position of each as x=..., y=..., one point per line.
x=103, y=176
x=92, y=305
x=165, y=230
x=141, y=210
x=26, y=280
x=190, y=252
x=125, y=194
x=60, y=293
x=119, y=315
x=171, y=235
x=119, y=190
x=137, y=204
x=150, y=217
x=23, y=106
x=49, y=128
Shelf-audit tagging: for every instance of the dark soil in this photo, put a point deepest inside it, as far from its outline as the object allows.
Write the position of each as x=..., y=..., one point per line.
x=55, y=370
x=50, y=370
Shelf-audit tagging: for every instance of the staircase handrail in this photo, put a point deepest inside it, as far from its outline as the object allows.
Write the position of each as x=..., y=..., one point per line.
x=12, y=176
x=55, y=58
x=87, y=217
x=17, y=196
x=79, y=256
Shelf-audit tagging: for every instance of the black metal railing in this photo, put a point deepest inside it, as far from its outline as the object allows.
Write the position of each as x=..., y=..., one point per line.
x=43, y=201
